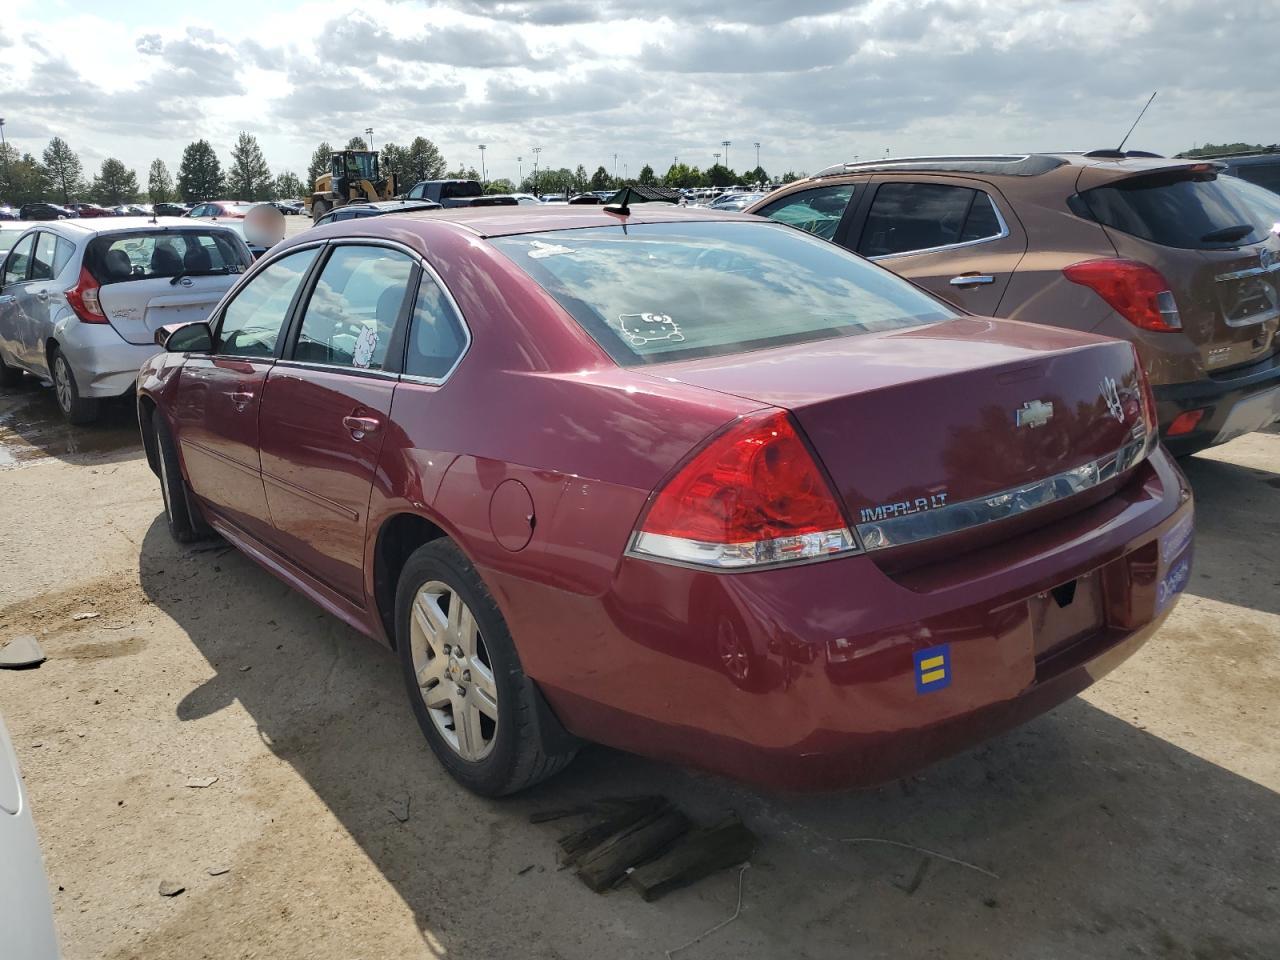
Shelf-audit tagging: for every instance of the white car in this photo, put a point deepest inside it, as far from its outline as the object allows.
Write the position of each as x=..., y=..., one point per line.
x=81, y=300
x=10, y=231
x=26, y=913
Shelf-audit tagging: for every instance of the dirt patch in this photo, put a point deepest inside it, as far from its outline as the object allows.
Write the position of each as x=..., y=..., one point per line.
x=105, y=650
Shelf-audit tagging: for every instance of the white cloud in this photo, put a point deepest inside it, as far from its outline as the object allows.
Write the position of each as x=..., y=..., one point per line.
x=815, y=81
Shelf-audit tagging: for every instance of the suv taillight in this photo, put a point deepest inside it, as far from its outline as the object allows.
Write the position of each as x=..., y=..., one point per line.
x=1134, y=290
x=752, y=496
x=83, y=298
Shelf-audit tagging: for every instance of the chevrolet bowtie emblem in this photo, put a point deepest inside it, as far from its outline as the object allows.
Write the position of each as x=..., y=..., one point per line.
x=1034, y=413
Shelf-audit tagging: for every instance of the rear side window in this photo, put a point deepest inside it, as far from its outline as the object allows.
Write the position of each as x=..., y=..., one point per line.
x=467, y=188
x=353, y=310
x=251, y=323
x=116, y=258
x=1263, y=174
x=1189, y=210
x=909, y=217
x=817, y=211
x=436, y=335
x=42, y=264
x=649, y=293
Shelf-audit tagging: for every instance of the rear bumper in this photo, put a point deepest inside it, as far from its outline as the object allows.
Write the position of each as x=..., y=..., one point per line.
x=824, y=676
x=1235, y=404
x=104, y=363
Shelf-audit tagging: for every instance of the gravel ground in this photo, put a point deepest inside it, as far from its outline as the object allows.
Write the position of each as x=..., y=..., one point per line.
x=1140, y=820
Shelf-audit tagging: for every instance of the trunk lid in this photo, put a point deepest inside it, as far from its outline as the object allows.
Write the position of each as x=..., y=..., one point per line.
x=1179, y=219
x=935, y=416
x=137, y=309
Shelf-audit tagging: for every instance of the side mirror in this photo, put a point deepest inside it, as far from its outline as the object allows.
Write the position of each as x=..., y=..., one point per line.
x=194, y=337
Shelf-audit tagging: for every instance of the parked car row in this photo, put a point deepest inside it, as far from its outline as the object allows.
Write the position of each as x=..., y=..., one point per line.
x=568, y=459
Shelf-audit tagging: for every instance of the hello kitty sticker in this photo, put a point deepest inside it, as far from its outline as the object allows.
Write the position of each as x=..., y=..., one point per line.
x=641, y=328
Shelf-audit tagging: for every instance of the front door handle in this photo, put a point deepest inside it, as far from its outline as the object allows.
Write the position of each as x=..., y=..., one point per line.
x=42, y=295
x=360, y=426
x=241, y=398
x=972, y=280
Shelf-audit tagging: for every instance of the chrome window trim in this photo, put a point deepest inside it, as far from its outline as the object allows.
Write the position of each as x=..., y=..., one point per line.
x=337, y=368
x=428, y=269
x=1004, y=232
x=1004, y=504
x=219, y=313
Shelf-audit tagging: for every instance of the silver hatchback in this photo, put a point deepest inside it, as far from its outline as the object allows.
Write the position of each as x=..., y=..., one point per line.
x=80, y=300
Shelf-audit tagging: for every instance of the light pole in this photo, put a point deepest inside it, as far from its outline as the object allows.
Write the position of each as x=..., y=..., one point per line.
x=536, y=156
x=717, y=156
x=4, y=148
x=483, y=179
x=725, y=144
x=519, y=171
x=368, y=132
x=615, y=166
x=757, y=154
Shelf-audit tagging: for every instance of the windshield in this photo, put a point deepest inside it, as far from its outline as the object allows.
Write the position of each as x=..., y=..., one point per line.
x=655, y=292
x=1189, y=210
x=117, y=258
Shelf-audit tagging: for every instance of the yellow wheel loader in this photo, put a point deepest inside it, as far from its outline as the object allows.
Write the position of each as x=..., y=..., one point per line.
x=353, y=177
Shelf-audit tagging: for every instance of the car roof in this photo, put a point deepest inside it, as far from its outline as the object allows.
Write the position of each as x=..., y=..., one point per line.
x=506, y=221
x=101, y=225
x=1010, y=165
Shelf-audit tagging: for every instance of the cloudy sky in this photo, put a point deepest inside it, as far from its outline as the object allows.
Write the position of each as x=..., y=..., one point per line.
x=814, y=81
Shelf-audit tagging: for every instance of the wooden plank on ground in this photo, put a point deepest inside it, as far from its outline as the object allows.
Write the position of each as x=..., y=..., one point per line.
x=607, y=863
x=698, y=855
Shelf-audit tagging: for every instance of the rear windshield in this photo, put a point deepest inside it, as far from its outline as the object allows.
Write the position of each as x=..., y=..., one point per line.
x=1193, y=211
x=467, y=188
x=117, y=258
x=649, y=293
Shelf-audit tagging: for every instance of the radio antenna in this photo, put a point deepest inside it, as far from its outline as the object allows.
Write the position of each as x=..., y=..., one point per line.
x=1120, y=149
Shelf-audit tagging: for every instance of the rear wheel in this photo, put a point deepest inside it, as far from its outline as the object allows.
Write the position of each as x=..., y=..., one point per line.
x=319, y=208
x=185, y=522
x=465, y=682
x=76, y=409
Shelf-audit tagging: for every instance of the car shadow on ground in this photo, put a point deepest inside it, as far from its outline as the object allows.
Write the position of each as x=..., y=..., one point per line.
x=32, y=428
x=1237, y=542
x=1108, y=841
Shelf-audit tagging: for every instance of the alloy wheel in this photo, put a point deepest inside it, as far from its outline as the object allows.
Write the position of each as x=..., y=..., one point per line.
x=453, y=670
x=62, y=383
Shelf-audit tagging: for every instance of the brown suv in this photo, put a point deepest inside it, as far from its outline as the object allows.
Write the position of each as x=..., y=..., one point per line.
x=1136, y=246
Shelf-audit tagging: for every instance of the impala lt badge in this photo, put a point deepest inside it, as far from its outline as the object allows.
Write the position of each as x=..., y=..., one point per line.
x=1034, y=413
x=1111, y=394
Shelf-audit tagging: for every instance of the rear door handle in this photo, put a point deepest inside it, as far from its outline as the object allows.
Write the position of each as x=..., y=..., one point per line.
x=42, y=295
x=359, y=426
x=972, y=280
x=241, y=398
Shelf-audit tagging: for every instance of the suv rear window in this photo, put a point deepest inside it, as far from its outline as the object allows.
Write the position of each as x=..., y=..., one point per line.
x=116, y=258
x=1190, y=210
x=649, y=293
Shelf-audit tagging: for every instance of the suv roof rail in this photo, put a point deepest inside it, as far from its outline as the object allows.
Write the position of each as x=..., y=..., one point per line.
x=1014, y=165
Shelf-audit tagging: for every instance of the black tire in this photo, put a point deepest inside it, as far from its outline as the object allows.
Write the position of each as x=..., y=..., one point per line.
x=185, y=523
x=9, y=376
x=319, y=208
x=520, y=755
x=77, y=410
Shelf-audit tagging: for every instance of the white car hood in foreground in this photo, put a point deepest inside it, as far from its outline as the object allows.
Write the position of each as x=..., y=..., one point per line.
x=26, y=914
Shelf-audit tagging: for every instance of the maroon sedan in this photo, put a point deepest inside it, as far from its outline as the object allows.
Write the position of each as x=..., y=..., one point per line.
x=695, y=485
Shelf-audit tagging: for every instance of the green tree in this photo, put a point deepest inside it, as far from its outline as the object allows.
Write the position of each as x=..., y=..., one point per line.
x=115, y=184
x=1211, y=149
x=791, y=176
x=682, y=175
x=600, y=180
x=647, y=177
x=502, y=185
x=718, y=175
x=580, y=179
x=425, y=162
x=63, y=169
x=287, y=186
x=200, y=173
x=319, y=164
x=757, y=175
x=248, y=177
x=159, y=183
x=22, y=178
x=356, y=143
x=462, y=173
x=394, y=162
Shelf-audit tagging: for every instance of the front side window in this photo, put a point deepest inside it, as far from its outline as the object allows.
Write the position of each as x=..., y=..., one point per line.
x=908, y=217
x=648, y=293
x=817, y=211
x=352, y=311
x=252, y=322
x=436, y=335
x=15, y=267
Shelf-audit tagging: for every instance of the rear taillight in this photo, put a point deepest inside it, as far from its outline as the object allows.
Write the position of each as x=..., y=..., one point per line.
x=1185, y=422
x=83, y=298
x=753, y=495
x=1134, y=290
